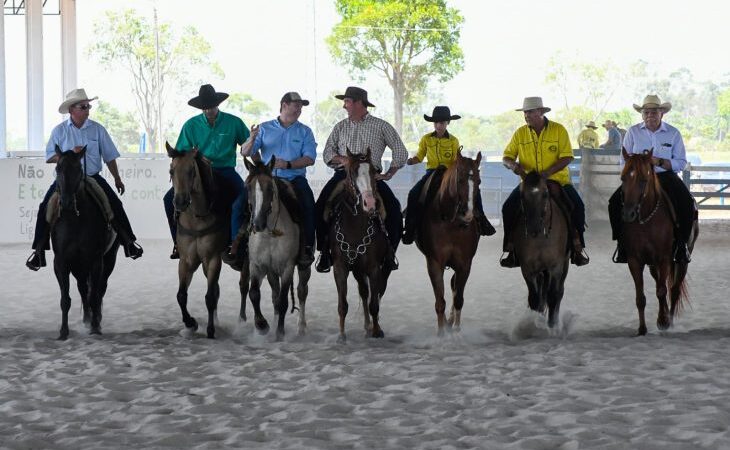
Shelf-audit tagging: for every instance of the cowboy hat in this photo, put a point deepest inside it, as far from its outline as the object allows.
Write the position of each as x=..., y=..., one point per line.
x=73, y=97
x=591, y=124
x=293, y=97
x=653, y=101
x=441, y=114
x=530, y=103
x=207, y=98
x=355, y=93
x=608, y=123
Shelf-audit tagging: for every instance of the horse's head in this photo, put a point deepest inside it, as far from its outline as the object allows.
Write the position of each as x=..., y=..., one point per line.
x=69, y=173
x=460, y=187
x=262, y=191
x=535, y=199
x=638, y=183
x=361, y=180
x=186, y=176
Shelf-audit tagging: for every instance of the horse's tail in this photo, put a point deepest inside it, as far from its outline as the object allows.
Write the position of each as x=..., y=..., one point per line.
x=677, y=286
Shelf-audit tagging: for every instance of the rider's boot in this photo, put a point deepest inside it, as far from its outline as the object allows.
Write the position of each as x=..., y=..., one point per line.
x=485, y=227
x=619, y=255
x=36, y=260
x=510, y=259
x=579, y=257
x=681, y=252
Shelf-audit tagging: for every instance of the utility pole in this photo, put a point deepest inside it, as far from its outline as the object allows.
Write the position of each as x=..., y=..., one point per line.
x=159, y=85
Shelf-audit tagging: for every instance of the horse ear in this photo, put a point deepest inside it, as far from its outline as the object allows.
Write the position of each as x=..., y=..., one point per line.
x=650, y=152
x=479, y=158
x=194, y=151
x=348, y=152
x=82, y=151
x=171, y=152
x=58, y=150
x=624, y=153
x=367, y=154
x=271, y=164
x=248, y=164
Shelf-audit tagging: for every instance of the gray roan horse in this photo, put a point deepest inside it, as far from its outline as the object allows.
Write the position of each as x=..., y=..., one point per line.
x=83, y=242
x=273, y=248
x=201, y=231
x=541, y=242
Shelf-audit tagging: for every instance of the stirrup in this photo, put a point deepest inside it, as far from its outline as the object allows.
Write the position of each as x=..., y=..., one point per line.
x=408, y=237
x=174, y=254
x=681, y=254
x=391, y=264
x=133, y=250
x=619, y=255
x=580, y=258
x=324, y=262
x=509, y=260
x=36, y=260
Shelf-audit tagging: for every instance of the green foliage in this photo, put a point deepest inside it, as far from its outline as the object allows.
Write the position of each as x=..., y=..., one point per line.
x=122, y=126
x=249, y=109
x=125, y=39
x=327, y=113
x=408, y=41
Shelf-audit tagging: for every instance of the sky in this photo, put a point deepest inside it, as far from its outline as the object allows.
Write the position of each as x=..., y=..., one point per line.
x=268, y=48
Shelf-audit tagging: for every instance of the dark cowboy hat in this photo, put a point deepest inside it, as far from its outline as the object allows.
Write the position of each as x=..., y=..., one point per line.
x=441, y=114
x=356, y=93
x=207, y=98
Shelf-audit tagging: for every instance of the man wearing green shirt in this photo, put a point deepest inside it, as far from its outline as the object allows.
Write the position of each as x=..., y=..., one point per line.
x=217, y=136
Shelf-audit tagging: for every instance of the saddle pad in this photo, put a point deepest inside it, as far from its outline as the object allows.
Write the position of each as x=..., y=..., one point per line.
x=94, y=191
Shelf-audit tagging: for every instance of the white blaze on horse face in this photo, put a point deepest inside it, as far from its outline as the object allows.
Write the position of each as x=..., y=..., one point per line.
x=363, y=185
x=258, y=198
x=471, y=194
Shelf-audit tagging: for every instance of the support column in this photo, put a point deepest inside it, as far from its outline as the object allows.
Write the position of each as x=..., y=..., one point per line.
x=68, y=47
x=3, y=98
x=34, y=71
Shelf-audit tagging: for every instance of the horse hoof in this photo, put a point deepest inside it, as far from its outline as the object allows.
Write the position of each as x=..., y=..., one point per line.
x=262, y=327
x=302, y=332
x=378, y=334
x=63, y=337
x=341, y=339
x=641, y=332
x=192, y=325
x=663, y=325
x=95, y=330
x=211, y=333
x=279, y=336
x=440, y=332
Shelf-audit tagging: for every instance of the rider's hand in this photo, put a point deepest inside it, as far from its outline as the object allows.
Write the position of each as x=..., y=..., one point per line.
x=254, y=131
x=383, y=176
x=119, y=185
x=412, y=161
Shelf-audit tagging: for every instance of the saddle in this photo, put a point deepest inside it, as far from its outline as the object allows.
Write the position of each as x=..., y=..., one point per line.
x=288, y=198
x=93, y=190
x=338, y=192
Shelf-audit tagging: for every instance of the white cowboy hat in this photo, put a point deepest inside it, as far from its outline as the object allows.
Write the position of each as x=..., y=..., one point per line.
x=653, y=101
x=591, y=124
x=73, y=97
x=533, y=103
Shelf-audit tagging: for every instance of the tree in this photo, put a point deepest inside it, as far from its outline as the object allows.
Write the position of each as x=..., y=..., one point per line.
x=252, y=111
x=327, y=113
x=128, y=40
x=122, y=126
x=408, y=41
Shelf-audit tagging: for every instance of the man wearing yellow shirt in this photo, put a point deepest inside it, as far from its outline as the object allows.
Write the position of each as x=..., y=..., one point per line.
x=588, y=138
x=542, y=146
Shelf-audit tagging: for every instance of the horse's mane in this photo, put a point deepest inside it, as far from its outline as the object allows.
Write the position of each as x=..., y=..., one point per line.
x=532, y=179
x=206, y=176
x=449, y=182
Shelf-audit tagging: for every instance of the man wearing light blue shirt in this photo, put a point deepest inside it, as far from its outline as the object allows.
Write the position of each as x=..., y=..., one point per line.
x=73, y=134
x=293, y=145
x=669, y=156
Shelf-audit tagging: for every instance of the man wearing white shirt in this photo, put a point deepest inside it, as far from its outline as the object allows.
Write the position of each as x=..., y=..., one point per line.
x=669, y=157
x=73, y=134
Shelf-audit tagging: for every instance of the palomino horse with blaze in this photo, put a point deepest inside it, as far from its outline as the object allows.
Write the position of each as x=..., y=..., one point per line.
x=448, y=236
x=84, y=244
x=273, y=248
x=358, y=242
x=648, y=235
x=541, y=238
x=201, y=230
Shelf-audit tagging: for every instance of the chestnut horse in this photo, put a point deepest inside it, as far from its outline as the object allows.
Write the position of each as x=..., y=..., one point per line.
x=201, y=230
x=541, y=240
x=448, y=235
x=358, y=242
x=648, y=235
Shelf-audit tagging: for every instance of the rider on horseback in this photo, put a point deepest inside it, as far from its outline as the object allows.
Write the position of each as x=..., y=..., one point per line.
x=542, y=146
x=440, y=149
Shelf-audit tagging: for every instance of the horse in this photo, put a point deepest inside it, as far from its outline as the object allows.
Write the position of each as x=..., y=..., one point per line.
x=648, y=235
x=84, y=244
x=202, y=231
x=541, y=239
x=358, y=242
x=448, y=235
x=273, y=249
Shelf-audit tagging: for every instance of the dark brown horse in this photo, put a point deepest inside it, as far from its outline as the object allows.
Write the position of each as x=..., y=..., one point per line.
x=541, y=241
x=201, y=230
x=648, y=235
x=448, y=236
x=358, y=242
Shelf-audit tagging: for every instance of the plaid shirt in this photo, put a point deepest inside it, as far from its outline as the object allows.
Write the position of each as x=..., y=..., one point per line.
x=370, y=132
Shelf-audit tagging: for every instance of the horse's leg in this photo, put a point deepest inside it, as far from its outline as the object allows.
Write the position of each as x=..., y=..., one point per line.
x=340, y=274
x=660, y=275
x=555, y=291
x=83, y=286
x=680, y=271
x=637, y=273
x=363, y=290
x=212, y=271
x=534, y=283
x=275, y=286
x=94, y=276
x=461, y=275
x=282, y=303
x=243, y=282
x=185, y=276
x=62, y=275
x=255, y=295
x=302, y=292
x=375, y=278
x=436, y=274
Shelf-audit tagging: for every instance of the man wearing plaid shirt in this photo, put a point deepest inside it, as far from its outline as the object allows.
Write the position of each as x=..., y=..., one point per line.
x=357, y=133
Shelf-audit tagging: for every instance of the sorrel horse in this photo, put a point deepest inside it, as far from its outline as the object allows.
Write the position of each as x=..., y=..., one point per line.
x=448, y=236
x=273, y=249
x=541, y=240
x=648, y=236
x=83, y=242
x=201, y=230
x=358, y=242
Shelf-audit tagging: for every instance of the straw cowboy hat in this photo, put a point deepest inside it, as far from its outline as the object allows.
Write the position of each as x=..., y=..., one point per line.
x=653, y=101
x=73, y=97
x=533, y=103
x=355, y=93
x=441, y=114
x=591, y=124
x=207, y=98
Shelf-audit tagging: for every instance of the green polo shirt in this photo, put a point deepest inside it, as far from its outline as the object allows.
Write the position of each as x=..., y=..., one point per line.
x=217, y=143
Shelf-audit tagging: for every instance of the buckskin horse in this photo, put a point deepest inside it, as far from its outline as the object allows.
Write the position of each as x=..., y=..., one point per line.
x=448, y=235
x=648, y=235
x=273, y=248
x=358, y=242
x=541, y=238
x=201, y=232
x=84, y=244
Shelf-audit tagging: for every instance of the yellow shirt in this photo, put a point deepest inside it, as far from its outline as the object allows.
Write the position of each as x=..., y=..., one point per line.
x=438, y=151
x=588, y=138
x=539, y=153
